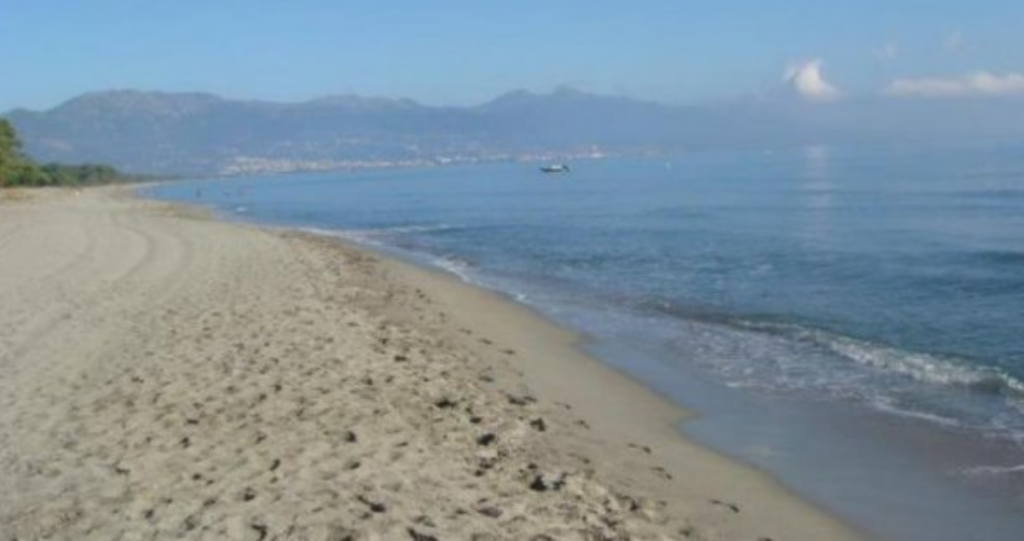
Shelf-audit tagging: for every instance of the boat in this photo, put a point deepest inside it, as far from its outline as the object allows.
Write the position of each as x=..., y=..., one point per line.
x=557, y=168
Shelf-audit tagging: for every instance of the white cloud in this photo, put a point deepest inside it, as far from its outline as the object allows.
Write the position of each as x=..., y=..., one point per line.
x=981, y=83
x=808, y=81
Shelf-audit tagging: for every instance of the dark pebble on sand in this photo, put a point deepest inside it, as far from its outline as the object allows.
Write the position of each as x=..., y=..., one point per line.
x=445, y=403
x=486, y=439
x=520, y=400
x=492, y=512
x=418, y=536
x=375, y=507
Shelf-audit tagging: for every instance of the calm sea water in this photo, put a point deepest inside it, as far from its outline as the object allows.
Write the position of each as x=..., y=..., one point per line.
x=882, y=290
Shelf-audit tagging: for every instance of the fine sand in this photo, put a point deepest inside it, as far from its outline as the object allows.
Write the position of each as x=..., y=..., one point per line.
x=167, y=376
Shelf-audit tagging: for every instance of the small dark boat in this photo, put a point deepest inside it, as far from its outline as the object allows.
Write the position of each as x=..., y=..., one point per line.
x=559, y=168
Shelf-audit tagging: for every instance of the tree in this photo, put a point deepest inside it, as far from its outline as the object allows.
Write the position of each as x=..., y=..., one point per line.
x=17, y=169
x=10, y=152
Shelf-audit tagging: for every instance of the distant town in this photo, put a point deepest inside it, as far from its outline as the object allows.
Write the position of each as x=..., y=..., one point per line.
x=256, y=165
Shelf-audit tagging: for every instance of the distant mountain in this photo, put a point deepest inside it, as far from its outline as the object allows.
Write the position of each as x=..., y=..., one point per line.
x=201, y=133
x=193, y=133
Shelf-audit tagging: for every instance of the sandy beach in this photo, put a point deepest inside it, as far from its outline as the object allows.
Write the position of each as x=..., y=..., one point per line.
x=167, y=376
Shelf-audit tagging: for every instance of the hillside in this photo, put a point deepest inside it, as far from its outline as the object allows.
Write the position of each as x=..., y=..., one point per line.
x=193, y=133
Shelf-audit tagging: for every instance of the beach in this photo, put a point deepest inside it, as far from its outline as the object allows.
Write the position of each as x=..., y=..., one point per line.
x=164, y=375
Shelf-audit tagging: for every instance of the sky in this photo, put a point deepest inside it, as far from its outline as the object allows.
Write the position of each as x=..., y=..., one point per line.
x=460, y=52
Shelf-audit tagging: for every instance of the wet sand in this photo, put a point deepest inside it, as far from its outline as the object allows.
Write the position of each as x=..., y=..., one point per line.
x=167, y=376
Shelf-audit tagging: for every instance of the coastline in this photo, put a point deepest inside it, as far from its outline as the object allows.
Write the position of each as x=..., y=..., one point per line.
x=626, y=415
x=607, y=459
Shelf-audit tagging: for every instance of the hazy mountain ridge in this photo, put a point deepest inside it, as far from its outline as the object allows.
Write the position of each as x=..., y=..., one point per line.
x=197, y=133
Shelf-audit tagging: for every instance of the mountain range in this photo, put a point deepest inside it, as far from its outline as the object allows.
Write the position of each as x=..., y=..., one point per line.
x=203, y=134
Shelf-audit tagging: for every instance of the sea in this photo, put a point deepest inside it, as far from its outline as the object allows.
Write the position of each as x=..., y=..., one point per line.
x=848, y=319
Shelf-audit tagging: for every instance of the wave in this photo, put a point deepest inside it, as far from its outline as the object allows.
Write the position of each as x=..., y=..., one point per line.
x=879, y=362
x=377, y=236
x=953, y=392
x=932, y=369
x=993, y=471
x=382, y=239
x=888, y=405
x=927, y=368
x=457, y=266
x=399, y=230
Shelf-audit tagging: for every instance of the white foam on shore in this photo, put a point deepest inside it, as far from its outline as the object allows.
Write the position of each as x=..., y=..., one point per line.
x=378, y=239
x=927, y=368
x=886, y=405
x=993, y=471
x=921, y=369
x=936, y=370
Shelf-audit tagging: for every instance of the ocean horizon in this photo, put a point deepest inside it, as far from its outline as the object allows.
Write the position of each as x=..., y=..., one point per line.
x=841, y=317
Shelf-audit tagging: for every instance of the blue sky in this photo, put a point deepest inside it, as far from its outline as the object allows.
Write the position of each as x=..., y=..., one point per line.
x=463, y=52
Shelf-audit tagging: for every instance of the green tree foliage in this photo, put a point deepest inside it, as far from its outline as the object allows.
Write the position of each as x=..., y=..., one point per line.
x=17, y=169
x=11, y=158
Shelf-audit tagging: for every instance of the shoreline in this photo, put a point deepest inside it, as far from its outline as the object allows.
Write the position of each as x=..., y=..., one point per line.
x=575, y=438
x=649, y=415
x=629, y=411
x=807, y=414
